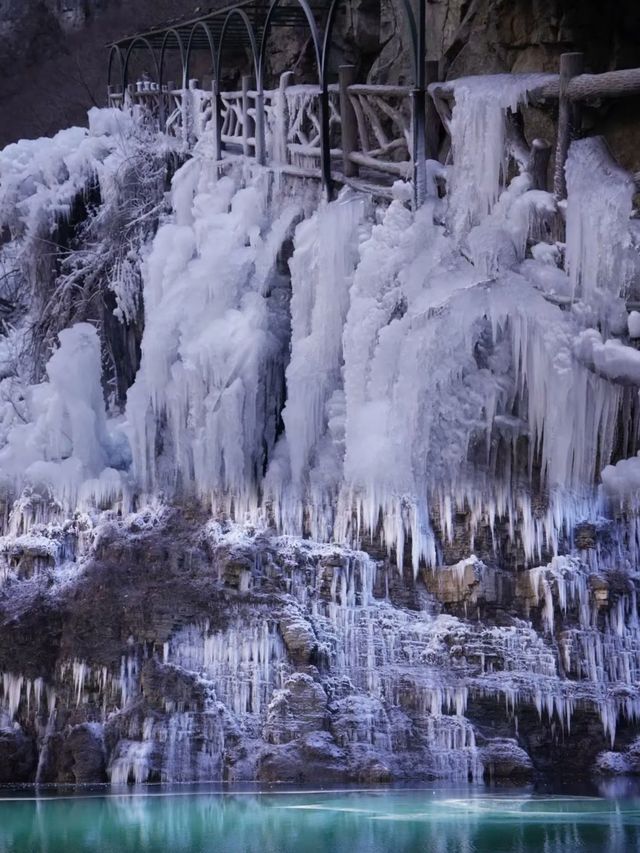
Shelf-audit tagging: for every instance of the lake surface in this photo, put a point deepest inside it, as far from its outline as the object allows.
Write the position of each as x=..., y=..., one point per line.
x=190, y=820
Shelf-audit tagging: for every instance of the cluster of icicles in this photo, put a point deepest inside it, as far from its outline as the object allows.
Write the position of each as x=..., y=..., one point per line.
x=392, y=657
x=427, y=368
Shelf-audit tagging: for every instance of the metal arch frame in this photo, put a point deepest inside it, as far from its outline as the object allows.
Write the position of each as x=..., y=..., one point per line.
x=133, y=46
x=163, y=49
x=325, y=151
x=417, y=35
x=313, y=28
x=259, y=114
x=328, y=35
x=322, y=40
x=202, y=25
x=115, y=51
x=240, y=13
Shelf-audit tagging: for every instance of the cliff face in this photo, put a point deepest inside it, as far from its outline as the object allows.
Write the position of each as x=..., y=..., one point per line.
x=340, y=370
x=53, y=57
x=173, y=649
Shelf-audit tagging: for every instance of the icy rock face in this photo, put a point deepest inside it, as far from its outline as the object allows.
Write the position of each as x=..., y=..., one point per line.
x=315, y=666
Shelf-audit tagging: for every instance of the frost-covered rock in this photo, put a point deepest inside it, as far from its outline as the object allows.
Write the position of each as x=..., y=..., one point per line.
x=625, y=763
x=505, y=759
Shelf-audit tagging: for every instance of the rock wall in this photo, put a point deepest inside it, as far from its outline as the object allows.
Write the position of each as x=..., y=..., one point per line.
x=165, y=648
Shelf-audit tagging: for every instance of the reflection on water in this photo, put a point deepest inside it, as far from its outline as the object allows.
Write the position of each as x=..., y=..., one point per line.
x=379, y=821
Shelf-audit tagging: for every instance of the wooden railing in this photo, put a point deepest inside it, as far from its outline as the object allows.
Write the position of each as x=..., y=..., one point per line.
x=379, y=115
x=371, y=129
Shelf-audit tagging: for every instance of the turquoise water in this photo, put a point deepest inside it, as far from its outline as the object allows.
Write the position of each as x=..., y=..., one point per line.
x=190, y=821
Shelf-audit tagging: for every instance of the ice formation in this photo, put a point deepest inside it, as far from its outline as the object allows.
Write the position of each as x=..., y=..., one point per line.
x=350, y=372
x=64, y=446
x=478, y=136
x=214, y=350
x=402, y=378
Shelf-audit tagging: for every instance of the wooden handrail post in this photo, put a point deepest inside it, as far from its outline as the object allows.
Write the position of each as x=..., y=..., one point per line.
x=539, y=163
x=431, y=119
x=216, y=119
x=348, y=121
x=247, y=82
x=167, y=100
x=569, y=118
x=281, y=147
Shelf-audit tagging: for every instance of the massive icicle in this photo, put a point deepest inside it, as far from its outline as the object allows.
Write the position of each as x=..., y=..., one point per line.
x=210, y=382
x=65, y=445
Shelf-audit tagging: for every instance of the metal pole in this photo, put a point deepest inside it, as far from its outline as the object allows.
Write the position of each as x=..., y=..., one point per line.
x=418, y=99
x=348, y=122
x=259, y=127
x=569, y=119
x=325, y=143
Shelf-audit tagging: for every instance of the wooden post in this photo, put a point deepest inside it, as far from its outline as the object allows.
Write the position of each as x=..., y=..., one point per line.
x=216, y=119
x=247, y=81
x=569, y=118
x=348, y=122
x=539, y=163
x=432, y=119
x=282, y=127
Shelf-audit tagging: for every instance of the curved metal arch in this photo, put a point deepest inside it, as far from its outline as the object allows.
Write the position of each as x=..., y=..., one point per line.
x=315, y=35
x=115, y=51
x=163, y=50
x=240, y=13
x=212, y=47
x=328, y=36
x=130, y=49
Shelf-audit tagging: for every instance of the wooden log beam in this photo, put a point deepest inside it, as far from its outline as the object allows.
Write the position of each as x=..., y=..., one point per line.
x=582, y=87
x=382, y=90
x=401, y=170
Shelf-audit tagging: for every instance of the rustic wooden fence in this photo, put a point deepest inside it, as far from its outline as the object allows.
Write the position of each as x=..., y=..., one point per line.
x=366, y=133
